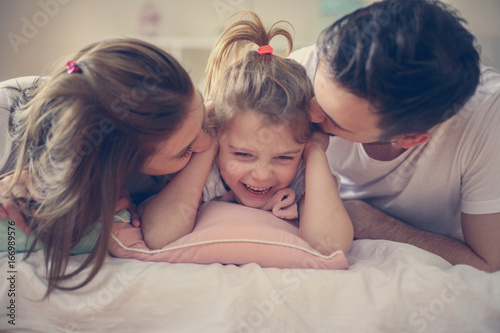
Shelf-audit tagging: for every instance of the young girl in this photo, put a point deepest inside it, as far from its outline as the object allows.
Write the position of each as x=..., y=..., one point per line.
x=260, y=118
x=119, y=111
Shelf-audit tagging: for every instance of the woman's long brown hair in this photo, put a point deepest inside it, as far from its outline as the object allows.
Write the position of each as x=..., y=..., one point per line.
x=81, y=136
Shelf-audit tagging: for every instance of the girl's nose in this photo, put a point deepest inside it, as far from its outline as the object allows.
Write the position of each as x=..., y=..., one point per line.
x=202, y=142
x=262, y=172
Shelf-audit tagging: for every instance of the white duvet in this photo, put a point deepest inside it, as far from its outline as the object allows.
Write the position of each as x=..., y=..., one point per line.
x=389, y=287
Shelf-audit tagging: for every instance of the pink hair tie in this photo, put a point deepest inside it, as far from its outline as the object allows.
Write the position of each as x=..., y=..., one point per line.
x=266, y=49
x=72, y=67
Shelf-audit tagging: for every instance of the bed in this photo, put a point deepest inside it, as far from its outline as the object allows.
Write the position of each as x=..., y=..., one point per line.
x=389, y=287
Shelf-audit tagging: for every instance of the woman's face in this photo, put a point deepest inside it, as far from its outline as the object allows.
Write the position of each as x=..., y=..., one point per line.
x=257, y=161
x=174, y=153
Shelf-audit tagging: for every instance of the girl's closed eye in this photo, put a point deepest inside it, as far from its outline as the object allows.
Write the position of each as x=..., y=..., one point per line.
x=286, y=158
x=241, y=154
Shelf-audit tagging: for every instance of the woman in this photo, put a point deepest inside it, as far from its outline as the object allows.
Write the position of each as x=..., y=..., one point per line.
x=118, y=111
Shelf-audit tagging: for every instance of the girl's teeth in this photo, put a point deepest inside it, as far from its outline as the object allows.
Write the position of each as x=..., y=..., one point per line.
x=257, y=190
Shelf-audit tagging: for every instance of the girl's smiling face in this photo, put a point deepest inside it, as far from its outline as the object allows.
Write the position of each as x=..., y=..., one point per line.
x=256, y=160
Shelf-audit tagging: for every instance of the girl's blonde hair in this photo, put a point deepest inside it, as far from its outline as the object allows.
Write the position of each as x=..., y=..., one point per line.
x=273, y=86
x=81, y=136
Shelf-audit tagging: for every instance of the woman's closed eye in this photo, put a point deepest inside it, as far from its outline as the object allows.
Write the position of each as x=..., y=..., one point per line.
x=186, y=153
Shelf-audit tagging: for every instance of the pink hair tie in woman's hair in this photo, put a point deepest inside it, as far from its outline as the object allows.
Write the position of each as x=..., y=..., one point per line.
x=266, y=49
x=72, y=67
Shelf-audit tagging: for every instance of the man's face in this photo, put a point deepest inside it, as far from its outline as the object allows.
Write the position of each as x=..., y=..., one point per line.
x=341, y=113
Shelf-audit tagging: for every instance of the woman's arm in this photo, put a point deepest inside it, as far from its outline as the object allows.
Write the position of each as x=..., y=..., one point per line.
x=172, y=212
x=323, y=220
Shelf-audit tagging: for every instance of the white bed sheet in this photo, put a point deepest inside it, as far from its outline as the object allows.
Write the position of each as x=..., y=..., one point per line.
x=389, y=287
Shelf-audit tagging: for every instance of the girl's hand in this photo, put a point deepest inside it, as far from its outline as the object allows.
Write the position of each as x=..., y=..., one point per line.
x=317, y=142
x=134, y=215
x=125, y=202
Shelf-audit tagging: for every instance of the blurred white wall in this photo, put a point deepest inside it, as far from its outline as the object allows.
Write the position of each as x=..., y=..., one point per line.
x=40, y=34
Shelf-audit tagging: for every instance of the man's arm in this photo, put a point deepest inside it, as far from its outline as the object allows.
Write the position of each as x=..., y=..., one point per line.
x=481, y=233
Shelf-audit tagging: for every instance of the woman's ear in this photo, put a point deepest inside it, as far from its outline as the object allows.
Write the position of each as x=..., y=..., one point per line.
x=412, y=139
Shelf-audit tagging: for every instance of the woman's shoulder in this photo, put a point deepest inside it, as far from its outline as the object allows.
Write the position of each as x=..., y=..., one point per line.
x=20, y=83
x=11, y=89
x=10, y=96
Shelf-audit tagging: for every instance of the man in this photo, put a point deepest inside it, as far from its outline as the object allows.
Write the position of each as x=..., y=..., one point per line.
x=415, y=125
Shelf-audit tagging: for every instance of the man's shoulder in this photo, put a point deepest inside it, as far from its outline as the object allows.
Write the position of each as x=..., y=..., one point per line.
x=489, y=81
x=477, y=121
x=304, y=53
x=485, y=102
x=307, y=57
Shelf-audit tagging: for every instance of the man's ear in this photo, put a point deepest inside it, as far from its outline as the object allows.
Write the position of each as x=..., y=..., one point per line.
x=412, y=139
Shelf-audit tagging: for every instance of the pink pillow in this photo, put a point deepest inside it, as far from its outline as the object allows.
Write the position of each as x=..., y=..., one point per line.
x=229, y=233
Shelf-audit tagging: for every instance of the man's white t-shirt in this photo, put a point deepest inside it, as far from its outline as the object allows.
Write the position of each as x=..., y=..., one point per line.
x=428, y=186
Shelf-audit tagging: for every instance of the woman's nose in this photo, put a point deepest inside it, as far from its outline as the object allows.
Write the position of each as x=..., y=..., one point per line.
x=202, y=142
x=316, y=114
